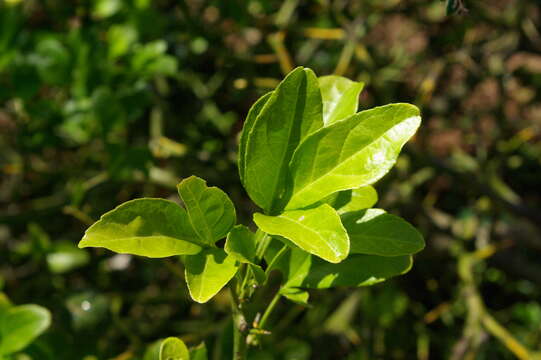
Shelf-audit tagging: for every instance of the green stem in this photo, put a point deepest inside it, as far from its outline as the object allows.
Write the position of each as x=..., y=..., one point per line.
x=239, y=328
x=276, y=257
x=269, y=310
x=262, y=242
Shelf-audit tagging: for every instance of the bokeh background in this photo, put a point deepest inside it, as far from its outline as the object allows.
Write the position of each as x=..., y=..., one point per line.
x=108, y=100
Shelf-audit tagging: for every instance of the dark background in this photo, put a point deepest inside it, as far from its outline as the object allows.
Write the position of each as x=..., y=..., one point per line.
x=108, y=100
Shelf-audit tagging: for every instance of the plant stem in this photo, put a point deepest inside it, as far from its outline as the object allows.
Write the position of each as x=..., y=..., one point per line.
x=276, y=257
x=269, y=309
x=239, y=327
x=262, y=242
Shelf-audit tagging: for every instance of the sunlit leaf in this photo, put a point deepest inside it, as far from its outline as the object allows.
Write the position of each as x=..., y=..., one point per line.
x=208, y=272
x=293, y=111
x=211, y=212
x=351, y=153
x=20, y=325
x=317, y=231
x=147, y=227
x=173, y=348
x=340, y=97
x=254, y=112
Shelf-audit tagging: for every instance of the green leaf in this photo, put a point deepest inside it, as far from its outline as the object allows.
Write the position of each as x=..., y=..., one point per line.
x=351, y=153
x=340, y=97
x=375, y=232
x=152, y=352
x=356, y=270
x=208, y=272
x=352, y=200
x=20, y=325
x=240, y=244
x=259, y=274
x=210, y=210
x=147, y=227
x=199, y=352
x=362, y=198
x=254, y=112
x=296, y=295
x=293, y=111
x=317, y=231
x=173, y=348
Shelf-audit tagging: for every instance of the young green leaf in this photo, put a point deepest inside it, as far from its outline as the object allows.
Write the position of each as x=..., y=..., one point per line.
x=316, y=230
x=240, y=244
x=375, y=232
x=362, y=198
x=352, y=200
x=293, y=111
x=259, y=274
x=20, y=325
x=147, y=227
x=247, y=127
x=351, y=153
x=296, y=295
x=210, y=210
x=356, y=270
x=173, y=348
x=208, y=272
x=199, y=352
x=340, y=97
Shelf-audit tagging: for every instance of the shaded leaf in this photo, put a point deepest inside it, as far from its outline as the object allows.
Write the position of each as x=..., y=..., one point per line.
x=259, y=274
x=375, y=232
x=317, y=231
x=296, y=295
x=356, y=270
x=211, y=212
x=199, y=352
x=240, y=244
x=146, y=227
x=208, y=272
x=351, y=153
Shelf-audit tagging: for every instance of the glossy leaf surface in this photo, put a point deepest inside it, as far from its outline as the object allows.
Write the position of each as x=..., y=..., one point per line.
x=340, y=97
x=375, y=232
x=208, y=272
x=210, y=211
x=254, y=112
x=293, y=111
x=317, y=231
x=240, y=244
x=351, y=153
x=20, y=325
x=147, y=227
x=173, y=348
x=361, y=198
x=353, y=200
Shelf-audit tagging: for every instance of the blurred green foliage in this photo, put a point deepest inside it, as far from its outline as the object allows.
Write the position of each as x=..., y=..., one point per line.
x=104, y=101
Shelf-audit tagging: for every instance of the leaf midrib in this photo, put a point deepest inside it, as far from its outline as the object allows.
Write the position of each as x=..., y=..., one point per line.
x=310, y=230
x=208, y=233
x=311, y=183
